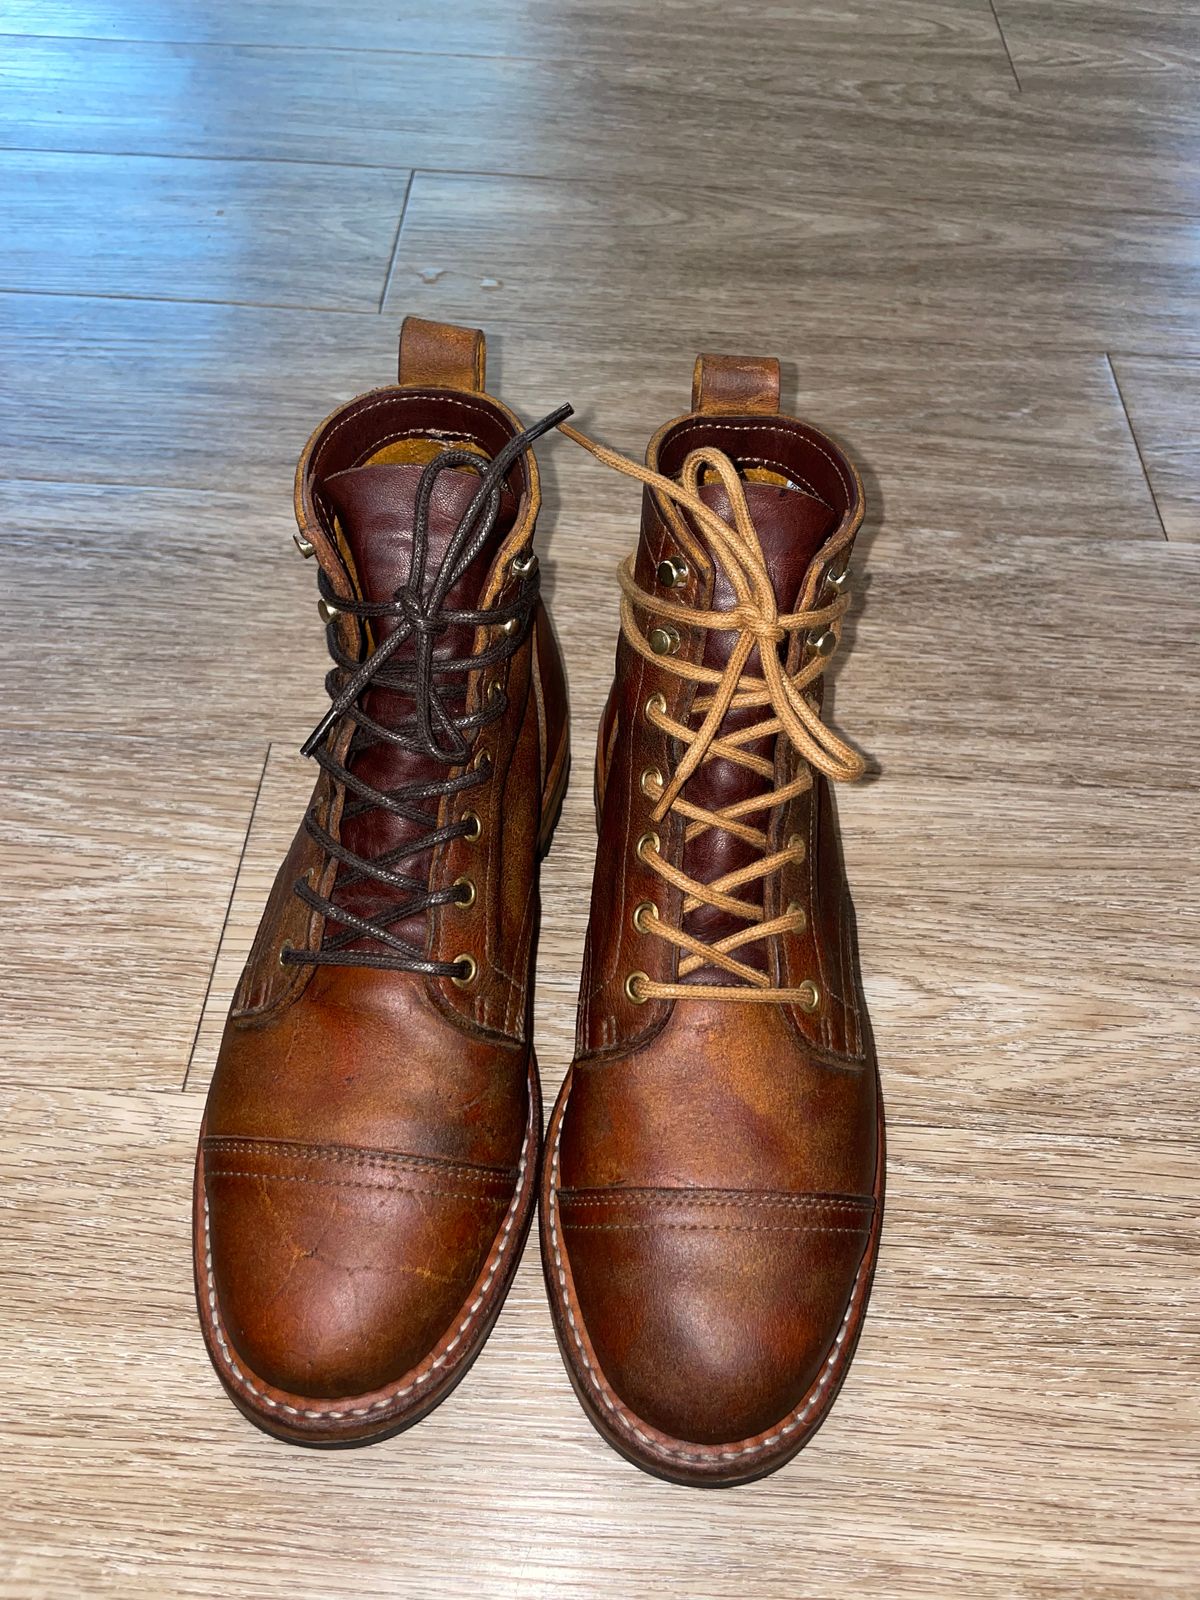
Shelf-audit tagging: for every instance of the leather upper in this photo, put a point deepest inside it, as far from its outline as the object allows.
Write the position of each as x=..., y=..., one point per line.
x=367, y=1131
x=713, y=1166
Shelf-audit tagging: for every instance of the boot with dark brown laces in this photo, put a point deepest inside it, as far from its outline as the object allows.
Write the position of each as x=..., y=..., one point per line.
x=713, y=1186
x=367, y=1164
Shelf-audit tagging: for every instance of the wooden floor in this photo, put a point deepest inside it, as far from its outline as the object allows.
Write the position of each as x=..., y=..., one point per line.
x=971, y=230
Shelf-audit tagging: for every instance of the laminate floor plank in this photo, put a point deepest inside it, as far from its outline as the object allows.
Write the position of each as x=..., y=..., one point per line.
x=279, y=810
x=176, y=612
x=119, y=859
x=970, y=230
x=1143, y=49
x=848, y=127
x=1029, y=1291
x=929, y=39
x=998, y=441
x=940, y=270
x=1163, y=399
x=145, y=227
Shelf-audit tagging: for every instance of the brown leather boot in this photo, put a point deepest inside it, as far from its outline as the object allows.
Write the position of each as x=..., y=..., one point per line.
x=713, y=1187
x=367, y=1163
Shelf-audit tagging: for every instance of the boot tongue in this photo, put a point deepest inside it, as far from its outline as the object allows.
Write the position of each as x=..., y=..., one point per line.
x=376, y=510
x=791, y=527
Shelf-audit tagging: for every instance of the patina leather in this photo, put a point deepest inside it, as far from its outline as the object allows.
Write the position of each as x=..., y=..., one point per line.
x=713, y=1181
x=367, y=1163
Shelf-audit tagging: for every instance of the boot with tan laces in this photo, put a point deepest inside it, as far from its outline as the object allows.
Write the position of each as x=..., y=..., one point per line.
x=713, y=1183
x=367, y=1165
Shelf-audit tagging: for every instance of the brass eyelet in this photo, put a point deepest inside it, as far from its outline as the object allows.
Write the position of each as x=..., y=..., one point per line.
x=467, y=899
x=285, y=949
x=823, y=642
x=326, y=612
x=648, y=841
x=524, y=565
x=795, y=909
x=838, y=580
x=631, y=992
x=652, y=783
x=672, y=572
x=663, y=639
x=656, y=702
x=476, y=827
x=796, y=841
x=477, y=760
x=810, y=996
x=644, y=909
x=305, y=546
x=510, y=627
x=493, y=692
x=470, y=969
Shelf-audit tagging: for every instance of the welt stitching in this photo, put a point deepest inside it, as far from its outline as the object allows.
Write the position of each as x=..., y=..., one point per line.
x=624, y=1418
x=390, y=1399
x=350, y=1183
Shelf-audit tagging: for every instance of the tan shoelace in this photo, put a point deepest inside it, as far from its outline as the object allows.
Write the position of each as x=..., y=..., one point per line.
x=756, y=617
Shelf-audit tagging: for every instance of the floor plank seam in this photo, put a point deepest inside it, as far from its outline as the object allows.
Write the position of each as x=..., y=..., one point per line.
x=225, y=923
x=1137, y=446
x=1011, y=63
x=392, y=259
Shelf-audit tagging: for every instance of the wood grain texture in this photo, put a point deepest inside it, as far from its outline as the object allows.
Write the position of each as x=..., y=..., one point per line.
x=1006, y=1406
x=1148, y=48
x=1163, y=400
x=283, y=796
x=177, y=612
x=545, y=116
x=844, y=122
x=914, y=267
x=119, y=857
x=988, y=292
x=990, y=440
x=933, y=37
x=147, y=228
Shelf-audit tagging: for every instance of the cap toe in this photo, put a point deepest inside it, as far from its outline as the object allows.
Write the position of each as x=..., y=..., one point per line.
x=336, y=1272
x=711, y=1313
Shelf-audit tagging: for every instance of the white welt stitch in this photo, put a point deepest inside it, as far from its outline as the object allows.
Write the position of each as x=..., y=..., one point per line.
x=625, y=1418
x=391, y=1398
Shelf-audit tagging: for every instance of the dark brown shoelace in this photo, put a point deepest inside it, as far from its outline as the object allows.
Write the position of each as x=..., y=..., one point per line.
x=438, y=728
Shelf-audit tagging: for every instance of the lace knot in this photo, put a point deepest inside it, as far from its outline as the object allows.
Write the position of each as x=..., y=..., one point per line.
x=422, y=619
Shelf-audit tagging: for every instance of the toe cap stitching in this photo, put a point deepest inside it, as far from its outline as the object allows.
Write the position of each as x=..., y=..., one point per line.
x=393, y=1396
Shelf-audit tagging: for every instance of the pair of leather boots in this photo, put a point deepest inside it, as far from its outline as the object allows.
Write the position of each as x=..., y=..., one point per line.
x=711, y=1183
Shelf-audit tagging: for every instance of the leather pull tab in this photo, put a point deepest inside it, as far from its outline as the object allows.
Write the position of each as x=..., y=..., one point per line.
x=727, y=384
x=442, y=355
